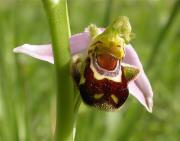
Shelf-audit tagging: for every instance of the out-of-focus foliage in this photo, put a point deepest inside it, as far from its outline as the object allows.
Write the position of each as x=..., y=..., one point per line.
x=27, y=87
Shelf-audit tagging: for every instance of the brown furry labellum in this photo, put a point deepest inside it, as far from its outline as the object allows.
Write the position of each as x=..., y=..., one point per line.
x=105, y=94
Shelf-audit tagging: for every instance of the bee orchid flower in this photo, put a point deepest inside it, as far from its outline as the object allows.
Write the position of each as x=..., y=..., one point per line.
x=111, y=68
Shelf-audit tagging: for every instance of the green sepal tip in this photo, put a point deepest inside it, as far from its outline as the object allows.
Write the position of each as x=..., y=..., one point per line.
x=130, y=72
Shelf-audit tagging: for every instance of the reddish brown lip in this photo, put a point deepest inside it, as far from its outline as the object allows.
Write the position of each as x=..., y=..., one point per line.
x=104, y=87
x=106, y=61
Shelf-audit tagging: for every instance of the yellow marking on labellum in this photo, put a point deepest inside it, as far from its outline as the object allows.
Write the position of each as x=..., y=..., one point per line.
x=99, y=76
x=114, y=98
x=105, y=107
x=98, y=96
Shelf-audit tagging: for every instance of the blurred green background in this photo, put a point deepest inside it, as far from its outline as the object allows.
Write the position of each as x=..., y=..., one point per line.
x=27, y=87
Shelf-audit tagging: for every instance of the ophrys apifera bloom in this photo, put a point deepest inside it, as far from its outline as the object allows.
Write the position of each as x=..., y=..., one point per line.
x=106, y=67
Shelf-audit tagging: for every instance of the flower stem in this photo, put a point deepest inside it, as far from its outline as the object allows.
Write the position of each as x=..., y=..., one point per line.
x=60, y=33
x=21, y=105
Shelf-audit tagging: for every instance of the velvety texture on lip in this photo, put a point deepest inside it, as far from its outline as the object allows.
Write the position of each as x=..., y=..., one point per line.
x=140, y=88
x=106, y=88
x=106, y=61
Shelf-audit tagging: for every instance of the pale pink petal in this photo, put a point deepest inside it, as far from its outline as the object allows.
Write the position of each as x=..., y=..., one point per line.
x=42, y=52
x=79, y=42
x=140, y=87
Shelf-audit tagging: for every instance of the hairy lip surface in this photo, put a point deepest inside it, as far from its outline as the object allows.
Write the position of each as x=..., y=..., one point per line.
x=103, y=63
x=107, y=87
x=106, y=61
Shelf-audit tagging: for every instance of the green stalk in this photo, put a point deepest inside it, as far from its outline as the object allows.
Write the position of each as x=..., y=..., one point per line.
x=9, y=117
x=60, y=33
x=21, y=105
